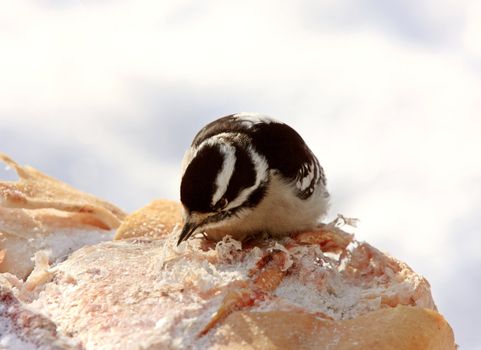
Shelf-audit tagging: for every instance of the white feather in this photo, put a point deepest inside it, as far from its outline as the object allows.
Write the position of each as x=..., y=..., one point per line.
x=260, y=164
x=255, y=118
x=191, y=153
x=279, y=213
x=223, y=177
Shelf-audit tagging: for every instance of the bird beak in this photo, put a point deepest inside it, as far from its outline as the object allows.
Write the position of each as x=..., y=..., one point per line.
x=189, y=228
x=194, y=220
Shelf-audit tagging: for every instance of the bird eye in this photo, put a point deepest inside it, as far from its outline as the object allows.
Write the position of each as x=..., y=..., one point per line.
x=222, y=203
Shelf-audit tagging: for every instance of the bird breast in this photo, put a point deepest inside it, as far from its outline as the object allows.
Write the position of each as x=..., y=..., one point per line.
x=279, y=213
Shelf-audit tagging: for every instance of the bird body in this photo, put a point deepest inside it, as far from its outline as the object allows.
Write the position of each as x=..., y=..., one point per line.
x=245, y=174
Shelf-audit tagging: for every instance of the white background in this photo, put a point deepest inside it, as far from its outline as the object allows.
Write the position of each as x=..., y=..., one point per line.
x=107, y=95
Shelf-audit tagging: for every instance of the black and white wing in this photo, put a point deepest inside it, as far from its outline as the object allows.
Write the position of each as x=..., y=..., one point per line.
x=283, y=148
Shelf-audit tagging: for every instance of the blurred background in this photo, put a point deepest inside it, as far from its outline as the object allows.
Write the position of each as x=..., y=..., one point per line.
x=107, y=95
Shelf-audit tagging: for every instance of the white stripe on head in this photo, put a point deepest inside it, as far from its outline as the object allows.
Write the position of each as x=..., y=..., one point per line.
x=188, y=156
x=224, y=175
x=255, y=118
x=260, y=164
x=191, y=153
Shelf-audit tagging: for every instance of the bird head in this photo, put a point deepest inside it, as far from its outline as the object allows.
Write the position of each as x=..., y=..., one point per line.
x=223, y=179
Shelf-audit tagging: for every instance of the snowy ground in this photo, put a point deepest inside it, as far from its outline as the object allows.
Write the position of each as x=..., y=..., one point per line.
x=106, y=95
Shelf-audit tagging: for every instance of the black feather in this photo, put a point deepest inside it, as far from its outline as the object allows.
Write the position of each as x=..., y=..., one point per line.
x=283, y=148
x=198, y=182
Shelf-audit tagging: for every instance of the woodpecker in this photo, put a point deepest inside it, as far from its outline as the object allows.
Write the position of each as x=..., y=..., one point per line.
x=246, y=174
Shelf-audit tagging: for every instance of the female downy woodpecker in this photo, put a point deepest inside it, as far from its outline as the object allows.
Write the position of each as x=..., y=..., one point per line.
x=246, y=174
